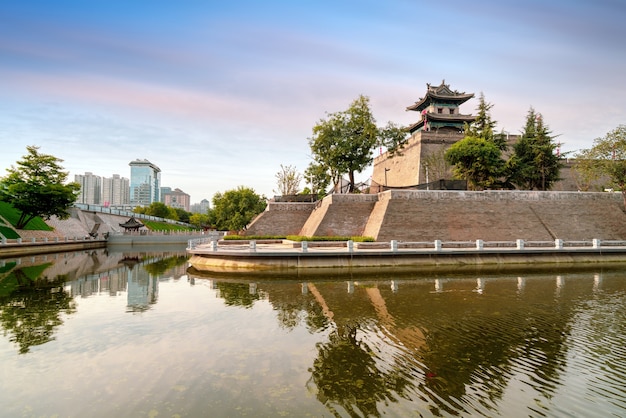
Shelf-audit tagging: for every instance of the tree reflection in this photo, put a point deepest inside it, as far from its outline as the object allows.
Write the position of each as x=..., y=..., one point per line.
x=31, y=311
x=346, y=375
x=159, y=267
x=238, y=294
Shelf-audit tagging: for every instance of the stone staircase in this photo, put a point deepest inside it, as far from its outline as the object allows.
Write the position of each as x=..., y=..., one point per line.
x=281, y=219
x=340, y=215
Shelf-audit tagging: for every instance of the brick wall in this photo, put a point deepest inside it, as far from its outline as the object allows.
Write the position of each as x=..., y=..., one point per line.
x=411, y=215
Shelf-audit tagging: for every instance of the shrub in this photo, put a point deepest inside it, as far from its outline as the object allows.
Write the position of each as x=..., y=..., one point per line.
x=326, y=238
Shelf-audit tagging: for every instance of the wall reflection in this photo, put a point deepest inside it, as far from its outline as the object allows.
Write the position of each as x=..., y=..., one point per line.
x=448, y=345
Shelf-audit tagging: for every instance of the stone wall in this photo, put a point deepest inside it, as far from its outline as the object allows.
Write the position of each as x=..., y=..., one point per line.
x=281, y=219
x=411, y=215
x=340, y=215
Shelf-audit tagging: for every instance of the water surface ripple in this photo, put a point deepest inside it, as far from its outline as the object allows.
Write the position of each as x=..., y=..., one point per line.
x=138, y=333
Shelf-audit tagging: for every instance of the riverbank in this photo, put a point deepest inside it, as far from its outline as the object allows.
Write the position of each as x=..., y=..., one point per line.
x=45, y=246
x=283, y=258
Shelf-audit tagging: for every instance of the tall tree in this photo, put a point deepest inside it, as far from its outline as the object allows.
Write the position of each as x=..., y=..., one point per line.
x=607, y=158
x=288, y=180
x=534, y=163
x=36, y=187
x=234, y=209
x=477, y=158
x=343, y=143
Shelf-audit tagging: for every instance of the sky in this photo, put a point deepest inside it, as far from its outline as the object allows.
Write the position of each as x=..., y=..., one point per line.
x=221, y=94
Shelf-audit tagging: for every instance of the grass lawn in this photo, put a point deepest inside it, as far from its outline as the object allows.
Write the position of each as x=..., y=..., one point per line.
x=10, y=214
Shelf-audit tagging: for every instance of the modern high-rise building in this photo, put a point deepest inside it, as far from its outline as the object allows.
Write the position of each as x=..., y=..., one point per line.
x=90, y=188
x=145, y=181
x=115, y=191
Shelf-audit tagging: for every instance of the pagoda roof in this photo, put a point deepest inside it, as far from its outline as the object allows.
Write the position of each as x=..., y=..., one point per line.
x=440, y=93
x=132, y=223
x=441, y=117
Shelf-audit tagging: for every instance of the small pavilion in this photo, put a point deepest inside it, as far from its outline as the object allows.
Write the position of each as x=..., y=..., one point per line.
x=132, y=224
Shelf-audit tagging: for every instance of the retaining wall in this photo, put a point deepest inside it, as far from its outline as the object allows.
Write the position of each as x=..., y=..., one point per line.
x=416, y=215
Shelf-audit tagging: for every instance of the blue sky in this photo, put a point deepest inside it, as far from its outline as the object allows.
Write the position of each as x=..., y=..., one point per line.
x=220, y=94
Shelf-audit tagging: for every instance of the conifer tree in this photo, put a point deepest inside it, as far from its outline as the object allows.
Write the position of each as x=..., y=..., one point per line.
x=534, y=164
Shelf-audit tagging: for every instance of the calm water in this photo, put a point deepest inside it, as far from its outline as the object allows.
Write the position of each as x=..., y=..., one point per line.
x=137, y=334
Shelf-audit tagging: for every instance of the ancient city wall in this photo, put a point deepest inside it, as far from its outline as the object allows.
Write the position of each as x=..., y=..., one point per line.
x=281, y=219
x=410, y=215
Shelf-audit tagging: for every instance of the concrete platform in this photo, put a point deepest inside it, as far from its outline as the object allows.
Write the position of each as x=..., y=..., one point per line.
x=284, y=258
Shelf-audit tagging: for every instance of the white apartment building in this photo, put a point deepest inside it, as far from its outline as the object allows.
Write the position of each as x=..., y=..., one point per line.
x=90, y=188
x=115, y=191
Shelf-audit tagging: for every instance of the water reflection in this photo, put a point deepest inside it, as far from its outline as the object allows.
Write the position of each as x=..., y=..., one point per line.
x=509, y=345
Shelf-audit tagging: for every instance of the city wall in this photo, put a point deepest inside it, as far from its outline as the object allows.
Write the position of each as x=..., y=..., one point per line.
x=411, y=215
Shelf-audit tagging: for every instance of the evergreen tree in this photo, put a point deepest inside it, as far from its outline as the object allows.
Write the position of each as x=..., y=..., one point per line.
x=534, y=164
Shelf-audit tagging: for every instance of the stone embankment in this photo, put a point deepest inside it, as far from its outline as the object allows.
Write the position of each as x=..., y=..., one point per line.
x=75, y=233
x=412, y=215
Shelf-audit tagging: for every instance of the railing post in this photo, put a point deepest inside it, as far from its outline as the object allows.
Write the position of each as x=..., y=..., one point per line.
x=520, y=244
x=394, y=245
x=252, y=246
x=214, y=245
x=558, y=244
x=19, y=240
x=437, y=245
x=304, y=245
x=350, y=245
x=4, y=241
x=480, y=244
x=596, y=243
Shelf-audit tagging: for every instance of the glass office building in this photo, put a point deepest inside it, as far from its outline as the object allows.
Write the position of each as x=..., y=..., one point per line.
x=145, y=182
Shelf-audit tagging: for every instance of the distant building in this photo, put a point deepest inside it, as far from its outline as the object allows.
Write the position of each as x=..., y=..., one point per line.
x=90, y=188
x=202, y=207
x=164, y=191
x=145, y=182
x=177, y=199
x=115, y=191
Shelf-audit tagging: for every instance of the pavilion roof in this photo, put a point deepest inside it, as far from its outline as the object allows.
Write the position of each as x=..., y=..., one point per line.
x=132, y=223
x=443, y=117
x=441, y=93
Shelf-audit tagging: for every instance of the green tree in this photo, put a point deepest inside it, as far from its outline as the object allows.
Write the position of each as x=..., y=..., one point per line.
x=160, y=210
x=234, y=209
x=476, y=160
x=393, y=137
x=319, y=179
x=607, y=158
x=199, y=220
x=36, y=188
x=288, y=180
x=182, y=215
x=343, y=143
x=534, y=163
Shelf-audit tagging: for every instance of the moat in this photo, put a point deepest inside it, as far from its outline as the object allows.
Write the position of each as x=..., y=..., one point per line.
x=135, y=333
